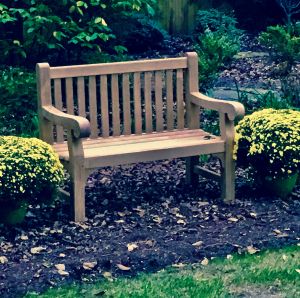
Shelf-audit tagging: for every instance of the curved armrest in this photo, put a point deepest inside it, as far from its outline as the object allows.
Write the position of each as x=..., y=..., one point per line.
x=233, y=109
x=80, y=126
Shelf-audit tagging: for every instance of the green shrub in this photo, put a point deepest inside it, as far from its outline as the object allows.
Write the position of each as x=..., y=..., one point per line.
x=214, y=49
x=216, y=21
x=269, y=142
x=59, y=31
x=18, y=104
x=29, y=168
x=283, y=44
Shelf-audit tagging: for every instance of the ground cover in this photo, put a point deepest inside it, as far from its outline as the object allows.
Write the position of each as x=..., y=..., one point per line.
x=268, y=274
x=145, y=218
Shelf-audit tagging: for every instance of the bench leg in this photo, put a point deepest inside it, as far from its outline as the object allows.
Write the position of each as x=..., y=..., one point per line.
x=191, y=176
x=228, y=177
x=78, y=193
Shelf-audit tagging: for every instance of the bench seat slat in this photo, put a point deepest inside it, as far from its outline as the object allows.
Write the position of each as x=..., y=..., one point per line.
x=138, y=148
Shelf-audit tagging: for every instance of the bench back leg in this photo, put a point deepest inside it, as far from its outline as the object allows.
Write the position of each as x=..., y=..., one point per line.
x=191, y=177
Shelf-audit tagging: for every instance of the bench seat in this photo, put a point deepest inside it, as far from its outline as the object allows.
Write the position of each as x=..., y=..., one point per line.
x=146, y=147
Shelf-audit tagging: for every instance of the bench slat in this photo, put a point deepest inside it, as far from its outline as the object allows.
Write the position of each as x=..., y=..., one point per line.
x=69, y=95
x=81, y=97
x=148, y=101
x=117, y=68
x=58, y=104
x=150, y=137
x=137, y=103
x=126, y=104
x=139, y=149
x=158, y=102
x=115, y=105
x=104, y=107
x=170, y=102
x=93, y=107
x=179, y=95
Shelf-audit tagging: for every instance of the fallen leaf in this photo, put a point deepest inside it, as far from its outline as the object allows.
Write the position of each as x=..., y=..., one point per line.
x=201, y=204
x=61, y=255
x=122, y=214
x=123, y=268
x=198, y=243
x=204, y=262
x=253, y=214
x=3, y=260
x=63, y=273
x=82, y=225
x=131, y=246
x=119, y=221
x=60, y=267
x=298, y=270
x=181, y=222
x=252, y=250
x=179, y=215
x=233, y=219
x=276, y=231
x=24, y=237
x=179, y=265
x=37, y=250
x=284, y=257
x=107, y=275
x=89, y=265
x=229, y=257
x=157, y=219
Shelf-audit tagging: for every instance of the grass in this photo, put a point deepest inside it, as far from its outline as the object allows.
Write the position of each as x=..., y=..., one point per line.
x=260, y=275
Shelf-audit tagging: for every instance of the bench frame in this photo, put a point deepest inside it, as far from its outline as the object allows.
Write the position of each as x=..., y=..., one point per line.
x=79, y=128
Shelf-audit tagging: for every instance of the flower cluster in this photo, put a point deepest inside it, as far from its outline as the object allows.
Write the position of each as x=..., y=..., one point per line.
x=269, y=142
x=28, y=166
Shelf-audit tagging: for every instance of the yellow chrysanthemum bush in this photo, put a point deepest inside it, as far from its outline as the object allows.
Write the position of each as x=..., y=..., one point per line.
x=269, y=142
x=28, y=168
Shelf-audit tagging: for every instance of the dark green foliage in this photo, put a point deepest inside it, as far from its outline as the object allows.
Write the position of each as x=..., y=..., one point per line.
x=283, y=43
x=60, y=31
x=214, y=49
x=18, y=103
x=140, y=33
x=216, y=20
x=217, y=41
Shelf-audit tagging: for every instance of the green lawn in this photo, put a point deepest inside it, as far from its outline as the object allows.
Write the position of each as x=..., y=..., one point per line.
x=265, y=274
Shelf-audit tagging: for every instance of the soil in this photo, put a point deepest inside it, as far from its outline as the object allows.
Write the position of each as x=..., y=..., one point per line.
x=141, y=218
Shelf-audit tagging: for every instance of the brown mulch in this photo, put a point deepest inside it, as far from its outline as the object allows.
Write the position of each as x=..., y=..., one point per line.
x=149, y=205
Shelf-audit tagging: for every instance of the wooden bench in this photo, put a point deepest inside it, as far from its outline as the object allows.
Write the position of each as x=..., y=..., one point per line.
x=126, y=112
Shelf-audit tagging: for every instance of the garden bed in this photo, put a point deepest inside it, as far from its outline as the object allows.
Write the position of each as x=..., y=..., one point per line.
x=142, y=218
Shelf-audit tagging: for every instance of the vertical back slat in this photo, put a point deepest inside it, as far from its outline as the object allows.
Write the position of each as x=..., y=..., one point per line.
x=158, y=101
x=115, y=104
x=58, y=104
x=93, y=107
x=137, y=103
x=148, y=101
x=104, y=106
x=69, y=95
x=81, y=97
x=170, y=102
x=126, y=104
x=179, y=96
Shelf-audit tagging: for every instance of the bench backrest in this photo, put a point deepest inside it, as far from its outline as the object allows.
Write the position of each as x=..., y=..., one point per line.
x=122, y=98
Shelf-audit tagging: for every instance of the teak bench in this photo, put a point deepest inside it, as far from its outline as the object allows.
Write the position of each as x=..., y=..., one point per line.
x=128, y=112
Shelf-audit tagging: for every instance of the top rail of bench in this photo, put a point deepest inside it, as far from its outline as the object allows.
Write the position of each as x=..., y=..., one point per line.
x=116, y=68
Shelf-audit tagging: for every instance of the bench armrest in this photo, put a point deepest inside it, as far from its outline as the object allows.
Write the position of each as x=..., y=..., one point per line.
x=79, y=126
x=233, y=109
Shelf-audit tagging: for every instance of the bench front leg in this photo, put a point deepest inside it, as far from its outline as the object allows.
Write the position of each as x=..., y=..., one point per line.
x=78, y=177
x=227, y=162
